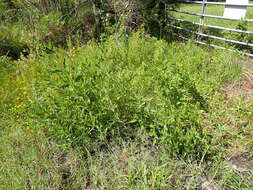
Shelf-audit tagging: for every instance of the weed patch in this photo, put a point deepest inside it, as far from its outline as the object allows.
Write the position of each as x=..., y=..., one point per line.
x=130, y=113
x=118, y=87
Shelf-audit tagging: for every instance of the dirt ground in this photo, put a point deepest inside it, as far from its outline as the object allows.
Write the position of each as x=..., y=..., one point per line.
x=244, y=86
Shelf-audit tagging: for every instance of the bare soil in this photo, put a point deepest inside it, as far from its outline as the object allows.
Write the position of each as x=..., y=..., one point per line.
x=244, y=86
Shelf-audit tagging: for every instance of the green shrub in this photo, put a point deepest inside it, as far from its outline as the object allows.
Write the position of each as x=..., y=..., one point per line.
x=45, y=21
x=119, y=87
x=12, y=41
x=32, y=25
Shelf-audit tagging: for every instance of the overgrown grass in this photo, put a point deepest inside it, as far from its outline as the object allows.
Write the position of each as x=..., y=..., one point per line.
x=135, y=113
x=122, y=86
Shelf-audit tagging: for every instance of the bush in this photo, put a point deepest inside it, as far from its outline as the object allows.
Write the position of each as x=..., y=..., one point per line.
x=12, y=42
x=30, y=25
x=119, y=87
x=56, y=22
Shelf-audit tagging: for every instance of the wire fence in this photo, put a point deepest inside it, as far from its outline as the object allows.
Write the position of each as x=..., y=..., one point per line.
x=201, y=24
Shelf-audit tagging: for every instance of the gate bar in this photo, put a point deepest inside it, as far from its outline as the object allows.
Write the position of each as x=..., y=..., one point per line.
x=217, y=3
x=210, y=16
x=212, y=45
x=212, y=26
x=214, y=37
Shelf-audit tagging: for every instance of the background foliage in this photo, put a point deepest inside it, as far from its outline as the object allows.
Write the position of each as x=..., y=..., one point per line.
x=35, y=25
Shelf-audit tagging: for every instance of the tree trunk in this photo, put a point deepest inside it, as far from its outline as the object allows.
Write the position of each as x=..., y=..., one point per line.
x=97, y=21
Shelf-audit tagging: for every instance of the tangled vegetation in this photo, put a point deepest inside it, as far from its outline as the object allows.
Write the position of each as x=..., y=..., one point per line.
x=39, y=25
x=124, y=109
x=136, y=90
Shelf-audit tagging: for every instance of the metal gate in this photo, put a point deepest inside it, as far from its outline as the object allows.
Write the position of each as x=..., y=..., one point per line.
x=199, y=33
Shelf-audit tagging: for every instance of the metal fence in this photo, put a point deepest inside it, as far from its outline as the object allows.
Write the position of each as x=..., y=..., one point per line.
x=199, y=33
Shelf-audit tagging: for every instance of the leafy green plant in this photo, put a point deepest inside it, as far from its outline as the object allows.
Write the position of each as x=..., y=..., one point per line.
x=12, y=42
x=121, y=86
x=135, y=103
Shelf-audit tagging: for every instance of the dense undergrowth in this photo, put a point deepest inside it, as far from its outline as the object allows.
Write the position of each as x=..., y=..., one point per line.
x=86, y=102
x=119, y=86
x=39, y=25
x=35, y=26
x=125, y=113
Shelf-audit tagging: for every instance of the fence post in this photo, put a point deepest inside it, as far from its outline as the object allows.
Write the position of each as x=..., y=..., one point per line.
x=202, y=17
